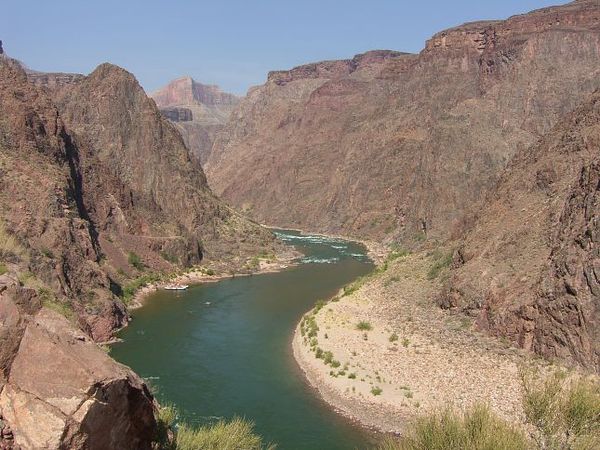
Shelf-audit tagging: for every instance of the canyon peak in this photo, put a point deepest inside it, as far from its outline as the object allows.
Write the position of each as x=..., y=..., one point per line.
x=199, y=111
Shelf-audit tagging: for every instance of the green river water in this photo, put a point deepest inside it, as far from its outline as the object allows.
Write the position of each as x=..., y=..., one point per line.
x=223, y=349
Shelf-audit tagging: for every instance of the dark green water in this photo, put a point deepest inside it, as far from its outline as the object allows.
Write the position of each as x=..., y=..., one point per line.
x=223, y=349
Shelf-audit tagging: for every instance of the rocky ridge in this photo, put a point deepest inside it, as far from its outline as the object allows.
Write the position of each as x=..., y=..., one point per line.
x=96, y=190
x=411, y=143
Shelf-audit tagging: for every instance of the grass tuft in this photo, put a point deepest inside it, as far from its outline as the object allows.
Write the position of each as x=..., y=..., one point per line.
x=477, y=429
x=364, y=326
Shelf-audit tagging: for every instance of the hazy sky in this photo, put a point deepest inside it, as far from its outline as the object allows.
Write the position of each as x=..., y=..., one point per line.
x=233, y=43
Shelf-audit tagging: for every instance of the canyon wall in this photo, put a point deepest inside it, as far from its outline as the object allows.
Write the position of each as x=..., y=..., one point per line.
x=529, y=270
x=398, y=146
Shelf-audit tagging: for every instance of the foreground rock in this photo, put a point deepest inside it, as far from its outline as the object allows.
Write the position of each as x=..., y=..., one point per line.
x=59, y=389
x=391, y=144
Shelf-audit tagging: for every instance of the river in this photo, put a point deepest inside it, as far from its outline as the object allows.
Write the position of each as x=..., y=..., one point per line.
x=223, y=349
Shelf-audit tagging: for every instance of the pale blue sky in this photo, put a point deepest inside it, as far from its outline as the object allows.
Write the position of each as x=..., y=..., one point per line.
x=233, y=43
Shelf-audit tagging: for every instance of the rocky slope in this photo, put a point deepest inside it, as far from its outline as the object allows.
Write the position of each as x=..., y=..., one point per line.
x=99, y=188
x=397, y=145
x=530, y=268
x=58, y=389
x=198, y=110
x=96, y=190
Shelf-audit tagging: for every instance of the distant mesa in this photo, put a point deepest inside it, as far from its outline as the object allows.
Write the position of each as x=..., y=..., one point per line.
x=198, y=110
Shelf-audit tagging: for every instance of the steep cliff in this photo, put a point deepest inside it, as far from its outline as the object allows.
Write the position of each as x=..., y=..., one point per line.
x=58, y=389
x=198, y=110
x=395, y=145
x=93, y=174
x=530, y=268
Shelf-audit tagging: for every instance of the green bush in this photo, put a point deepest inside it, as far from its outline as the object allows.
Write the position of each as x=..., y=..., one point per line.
x=376, y=391
x=236, y=434
x=477, y=429
x=3, y=268
x=393, y=337
x=565, y=412
x=364, y=326
x=441, y=262
x=131, y=288
x=135, y=261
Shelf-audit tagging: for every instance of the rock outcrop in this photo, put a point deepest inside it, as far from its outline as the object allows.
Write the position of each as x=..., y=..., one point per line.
x=198, y=110
x=390, y=145
x=529, y=269
x=58, y=389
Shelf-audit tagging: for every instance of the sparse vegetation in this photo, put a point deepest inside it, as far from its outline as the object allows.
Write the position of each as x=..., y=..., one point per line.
x=167, y=257
x=50, y=301
x=3, y=268
x=565, y=411
x=47, y=252
x=376, y=391
x=393, y=337
x=132, y=287
x=135, y=261
x=364, y=326
x=10, y=248
x=441, y=262
x=405, y=342
x=235, y=434
x=477, y=429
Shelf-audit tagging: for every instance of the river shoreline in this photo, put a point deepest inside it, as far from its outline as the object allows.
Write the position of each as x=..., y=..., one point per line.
x=409, y=358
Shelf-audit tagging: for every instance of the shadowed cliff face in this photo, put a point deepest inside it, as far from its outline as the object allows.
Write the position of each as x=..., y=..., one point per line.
x=199, y=112
x=52, y=255
x=530, y=267
x=391, y=145
x=96, y=173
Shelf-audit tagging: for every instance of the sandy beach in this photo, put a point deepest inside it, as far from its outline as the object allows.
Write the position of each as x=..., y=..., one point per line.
x=387, y=353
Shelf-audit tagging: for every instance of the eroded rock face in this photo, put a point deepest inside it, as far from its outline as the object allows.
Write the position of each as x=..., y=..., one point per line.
x=530, y=268
x=392, y=145
x=91, y=171
x=199, y=111
x=60, y=390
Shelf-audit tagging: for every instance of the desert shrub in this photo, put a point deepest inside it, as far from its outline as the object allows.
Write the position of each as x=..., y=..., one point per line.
x=441, y=262
x=233, y=435
x=236, y=434
x=476, y=429
x=565, y=411
x=9, y=245
x=393, y=337
x=134, y=259
x=364, y=326
x=3, y=268
x=376, y=391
